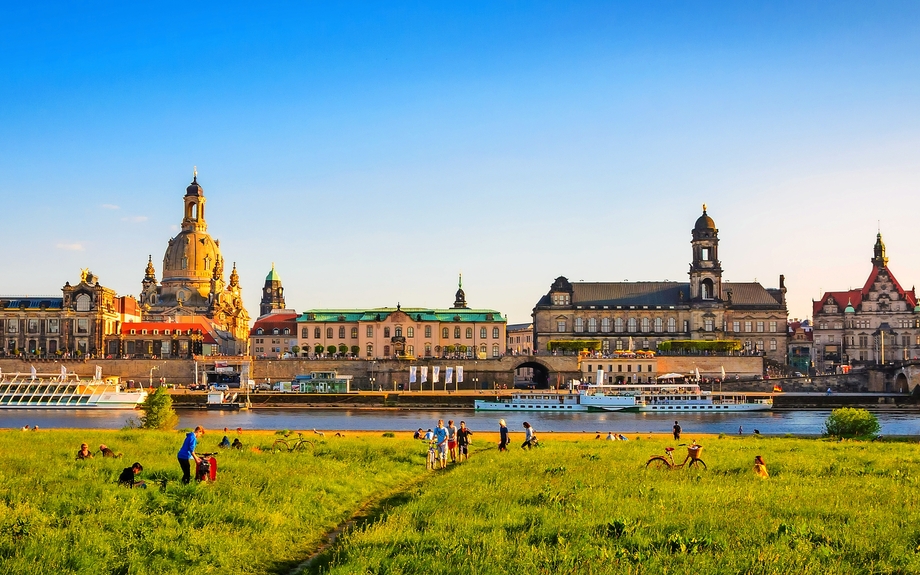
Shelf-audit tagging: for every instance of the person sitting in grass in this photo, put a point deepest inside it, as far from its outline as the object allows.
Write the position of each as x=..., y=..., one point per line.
x=106, y=452
x=224, y=443
x=237, y=444
x=128, y=476
x=418, y=434
x=84, y=452
x=760, y=468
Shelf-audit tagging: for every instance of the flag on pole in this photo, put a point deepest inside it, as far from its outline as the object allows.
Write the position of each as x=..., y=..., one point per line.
x=424, y=373
x=33, y=371
x=448, y=375
x=412, y=370
x=697, y=374
x=459, y=374
x=63, y=373
x=723, y=372
x=435, y=371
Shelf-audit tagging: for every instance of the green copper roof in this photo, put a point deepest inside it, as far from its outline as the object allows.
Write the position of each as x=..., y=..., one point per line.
x=416, y=314
x=273, y=275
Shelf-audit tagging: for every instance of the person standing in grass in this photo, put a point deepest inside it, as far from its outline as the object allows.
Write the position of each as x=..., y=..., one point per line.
x=676, y=431
x=440, y=437
x=452, y=440
x=187, y=453
x=463, y=441
x=502, y=435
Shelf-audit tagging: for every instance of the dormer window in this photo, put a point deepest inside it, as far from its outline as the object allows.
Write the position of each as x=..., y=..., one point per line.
x=165, y=332
x=561, y=299
x=260, y=331
x=275, y=331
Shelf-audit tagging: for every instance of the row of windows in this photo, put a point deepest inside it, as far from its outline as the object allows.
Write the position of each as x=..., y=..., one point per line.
x=410, y=349
x=397, y=332
x=629, y=368
x=869, y=340
x=34, y=326
x=157, y=331
x=658, y=325
x=276, y=331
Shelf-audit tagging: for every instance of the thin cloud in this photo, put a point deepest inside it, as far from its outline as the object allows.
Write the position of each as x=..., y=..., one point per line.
x=70, y=247
x=135, y=219
x=110, y=207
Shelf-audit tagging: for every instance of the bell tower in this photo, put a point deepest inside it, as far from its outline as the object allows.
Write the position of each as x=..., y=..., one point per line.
x=194, y=207
x=272, y=293
x=706, y=269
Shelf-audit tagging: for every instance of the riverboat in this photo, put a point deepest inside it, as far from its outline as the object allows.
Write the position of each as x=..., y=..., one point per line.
x=532, y=400
x=65, y=391
x=688, y=397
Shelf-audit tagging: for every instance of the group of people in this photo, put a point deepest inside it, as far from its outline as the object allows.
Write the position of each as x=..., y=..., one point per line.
x=448, y=441
x=530, y=436
x=128, y=477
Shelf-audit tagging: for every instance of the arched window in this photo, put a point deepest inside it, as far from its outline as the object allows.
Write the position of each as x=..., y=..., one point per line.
x=427, y=331
x=618, y=324
x=370, y=350
x=354, y=333
x=495, y=351
x=328, y=333
x=427, y=350
x=605, y=324
x=706, y=291
x=457, y=333
x=631, y=324
x=341, y=332
x=645, y=324
x=260, y=331
x=672, y=325
x=398, y=331
x=658, y=325
x=83, y=302
x=275, y=331
x=386, y=333
x=579, y=325
x=316, y=333
x=469, y=333
x=410, y=332
x=592, y=324
x=445, y=333
x=482, y=350
x=482, y=333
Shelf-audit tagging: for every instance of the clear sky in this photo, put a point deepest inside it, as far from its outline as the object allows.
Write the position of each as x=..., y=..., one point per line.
x=374, y=150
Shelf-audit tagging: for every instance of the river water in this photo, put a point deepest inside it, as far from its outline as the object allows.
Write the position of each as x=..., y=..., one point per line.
x=806, y=422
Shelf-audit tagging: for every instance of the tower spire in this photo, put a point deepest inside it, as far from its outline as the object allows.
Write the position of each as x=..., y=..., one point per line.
x=878, y=257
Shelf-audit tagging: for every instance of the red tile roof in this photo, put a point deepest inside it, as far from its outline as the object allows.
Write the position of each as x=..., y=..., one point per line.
x=856, y=296
x=202, y=325
x=278, y=321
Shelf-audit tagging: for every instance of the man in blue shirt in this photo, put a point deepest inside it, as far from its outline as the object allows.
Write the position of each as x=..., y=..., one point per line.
x=187, y=453
x=440, y=436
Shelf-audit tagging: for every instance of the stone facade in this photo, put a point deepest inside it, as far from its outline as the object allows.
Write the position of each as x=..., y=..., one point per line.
x=641, y=315
x=878, y=323
x=193, y=277
x=85, y=320
x=274, y=335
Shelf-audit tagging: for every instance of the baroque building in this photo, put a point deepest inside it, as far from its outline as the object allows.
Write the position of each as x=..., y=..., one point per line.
x=641, y=315
x=380, y=333
x=193, y=278
x=878, y=323
x=85, y=320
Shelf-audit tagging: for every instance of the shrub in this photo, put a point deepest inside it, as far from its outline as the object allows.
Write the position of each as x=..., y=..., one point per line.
x=330, y=350
x=318, y=349
x=851, y=423
x=158, y=411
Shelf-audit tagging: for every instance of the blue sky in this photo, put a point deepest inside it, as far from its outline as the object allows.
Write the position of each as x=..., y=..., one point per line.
x=373, y=151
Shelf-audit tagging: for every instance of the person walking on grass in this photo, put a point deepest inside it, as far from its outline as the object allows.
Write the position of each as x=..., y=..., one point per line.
x=452, y=440
x=187, y=453
x=463, y=442
x=502, y=435
x=440, y=437
x=530, y=437
x=676, y=431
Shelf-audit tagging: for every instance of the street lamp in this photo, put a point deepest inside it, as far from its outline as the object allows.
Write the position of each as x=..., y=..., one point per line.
x=475, y=383
x=151, y=374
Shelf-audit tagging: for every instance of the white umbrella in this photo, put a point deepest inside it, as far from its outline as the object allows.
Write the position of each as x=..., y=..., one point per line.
x=671, y=376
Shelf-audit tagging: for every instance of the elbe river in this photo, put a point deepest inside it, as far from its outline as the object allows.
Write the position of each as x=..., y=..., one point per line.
x=806, y=422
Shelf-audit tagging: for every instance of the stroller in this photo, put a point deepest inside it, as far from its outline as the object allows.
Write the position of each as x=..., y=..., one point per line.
x=206, y=470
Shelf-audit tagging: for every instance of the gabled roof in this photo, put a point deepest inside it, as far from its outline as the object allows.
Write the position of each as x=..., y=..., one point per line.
x=269, y=322
x=195, y=324
x=664, y=294
x=856, y=296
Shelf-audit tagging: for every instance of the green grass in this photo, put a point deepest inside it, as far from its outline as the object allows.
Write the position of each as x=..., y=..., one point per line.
x=266, y=512
x=591, y=507
x=568, y=507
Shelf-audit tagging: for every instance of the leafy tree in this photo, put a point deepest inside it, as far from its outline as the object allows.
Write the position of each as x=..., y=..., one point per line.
x=343, y=349
x=848, y=422
x=355, y=350
x=330, y=350
x=295, y=350
x=158, y=411
x=318, y=349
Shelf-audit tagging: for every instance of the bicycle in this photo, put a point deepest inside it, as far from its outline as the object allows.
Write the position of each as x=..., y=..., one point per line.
x=432, y=460
x=667, y=460
x=298, y=445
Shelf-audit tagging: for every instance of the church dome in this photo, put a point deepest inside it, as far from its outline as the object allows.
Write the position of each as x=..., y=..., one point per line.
x=704, y=222
x=190, y=255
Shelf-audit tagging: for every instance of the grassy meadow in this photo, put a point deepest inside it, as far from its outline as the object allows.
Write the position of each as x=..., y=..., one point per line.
x=574, y=505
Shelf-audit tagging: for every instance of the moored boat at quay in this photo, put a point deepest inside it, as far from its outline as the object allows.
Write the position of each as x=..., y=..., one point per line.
x=688, y=397
x=532, y=400
x=65, y=391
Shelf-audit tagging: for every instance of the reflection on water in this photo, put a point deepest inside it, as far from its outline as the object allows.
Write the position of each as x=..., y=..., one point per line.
x=768, y=423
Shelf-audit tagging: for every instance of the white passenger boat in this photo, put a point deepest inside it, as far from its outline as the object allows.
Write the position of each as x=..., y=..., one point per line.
x=65, y=391
x=532, y=400
x=688, y=397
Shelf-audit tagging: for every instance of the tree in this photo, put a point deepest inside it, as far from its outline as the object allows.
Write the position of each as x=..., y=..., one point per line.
x=330, y=350
x=355, y=350
x=158, y=411
x=318, y=349
x=343, y=349
x=295, y=350
x=848, y=422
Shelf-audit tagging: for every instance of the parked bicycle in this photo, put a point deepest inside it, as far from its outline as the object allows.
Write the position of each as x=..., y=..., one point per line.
x=300, y=444
x=432, y=460
x=666, y=461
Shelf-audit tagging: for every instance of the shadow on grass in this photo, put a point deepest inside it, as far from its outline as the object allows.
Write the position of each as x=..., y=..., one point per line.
x=370, y=512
